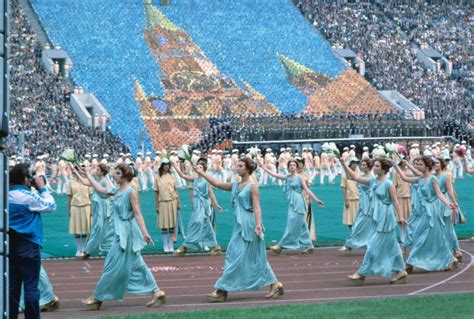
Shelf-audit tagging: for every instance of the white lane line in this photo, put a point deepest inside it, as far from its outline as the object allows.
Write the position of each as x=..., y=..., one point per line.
x=447, y=279
x=366, y=287
x=267, y=302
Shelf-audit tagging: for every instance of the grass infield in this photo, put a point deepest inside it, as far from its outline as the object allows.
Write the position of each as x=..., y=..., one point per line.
x=433, y=306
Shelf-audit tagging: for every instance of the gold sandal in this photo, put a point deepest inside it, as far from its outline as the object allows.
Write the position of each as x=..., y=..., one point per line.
x=356, y=279
x=180, y=252
x=217, y=296
x=458, y=256
x=345, y=250
x=159, y=299
x=215, y=251
x=454, y=264
x=276, y=249
x=401, y=278
x=276, y=291
x=51, y=306
x=92, y=303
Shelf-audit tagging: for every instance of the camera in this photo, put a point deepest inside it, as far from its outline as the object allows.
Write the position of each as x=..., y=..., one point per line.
x=33, y=181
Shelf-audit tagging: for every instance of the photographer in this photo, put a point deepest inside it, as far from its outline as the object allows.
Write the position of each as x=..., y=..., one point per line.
x=26, y=235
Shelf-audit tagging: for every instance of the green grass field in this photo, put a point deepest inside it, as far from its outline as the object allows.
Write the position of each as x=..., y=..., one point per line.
x=433, y=307
x=330, y=231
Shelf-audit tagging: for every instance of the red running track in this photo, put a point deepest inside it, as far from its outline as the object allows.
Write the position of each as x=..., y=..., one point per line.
x=316, y=278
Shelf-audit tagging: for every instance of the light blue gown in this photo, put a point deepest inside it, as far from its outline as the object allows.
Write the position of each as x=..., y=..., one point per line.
x=414, y=215
x=45, y=289
x=430, y=250
x=296, y=235
x=383, y=256
x=102, y=232
x=449, y=231
x=246, y=266
x=364, y=224
x=124, y=267
x=200, y=235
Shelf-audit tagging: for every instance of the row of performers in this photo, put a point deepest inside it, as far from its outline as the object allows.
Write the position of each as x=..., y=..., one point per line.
x=429, y=232
x=223, y=166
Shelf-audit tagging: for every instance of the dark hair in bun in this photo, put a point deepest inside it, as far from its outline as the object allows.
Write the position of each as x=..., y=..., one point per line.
x=249, y=164
x=104, y=169
x=384, y=163
x=127, y=171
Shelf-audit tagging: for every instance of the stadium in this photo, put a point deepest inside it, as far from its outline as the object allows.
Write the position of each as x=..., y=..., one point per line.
x=193, y=152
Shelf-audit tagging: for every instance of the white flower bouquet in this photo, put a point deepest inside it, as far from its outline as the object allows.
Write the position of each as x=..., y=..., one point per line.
x=379, y=153
x=331, y=149
x=184, y=153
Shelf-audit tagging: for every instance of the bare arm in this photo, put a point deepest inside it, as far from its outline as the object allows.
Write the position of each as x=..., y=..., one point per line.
x=180, y=173
x=412, y=180
x=177, y=198
x=450, y=189
x=69, y=198
x=413, y=169
x=256, y=210
x=353, y=176
x=139, y=217
x=214, y=200
x=310, y=193
x=157, y=201
x=467, y=169
x=440, y=194
x=212, y=181
x=81, y=179
x=396, y=205
x=279, y=176
x=346, y=202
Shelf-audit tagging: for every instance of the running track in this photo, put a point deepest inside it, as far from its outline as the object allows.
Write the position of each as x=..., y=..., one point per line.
x=316, y=278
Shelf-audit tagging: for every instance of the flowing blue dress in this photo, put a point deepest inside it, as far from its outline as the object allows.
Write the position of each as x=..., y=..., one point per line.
x=383, y=256
x=200, y=235
x=102, y=233
x=296, y=235
x=414, y=215
x=124, y=267
x=430, y=250
x=364, y=224
x=449, y=231
x=246, y=266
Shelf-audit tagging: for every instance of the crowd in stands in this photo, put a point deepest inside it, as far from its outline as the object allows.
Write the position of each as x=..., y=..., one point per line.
x=445, y=26
x=385, y=35
x=387, y=42
x=38, y=107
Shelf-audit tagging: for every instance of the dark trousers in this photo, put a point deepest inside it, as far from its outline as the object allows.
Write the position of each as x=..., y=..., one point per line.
x=25, y=264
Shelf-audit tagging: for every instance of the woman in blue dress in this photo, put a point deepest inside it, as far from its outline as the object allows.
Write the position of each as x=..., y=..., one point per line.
x=102, y=233
x=383, y=256
x=246, y=266
x=429, y=250
x=363, y=224
x=201, y=235
x=124, y=267
x=445, y=182
x=415, y=204
x=296, y=235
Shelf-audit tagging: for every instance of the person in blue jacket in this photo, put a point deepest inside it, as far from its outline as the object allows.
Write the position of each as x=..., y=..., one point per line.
x=26, y=237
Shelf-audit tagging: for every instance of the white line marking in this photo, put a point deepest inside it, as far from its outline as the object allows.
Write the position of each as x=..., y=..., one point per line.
x=447, y=279
x=278, y=301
